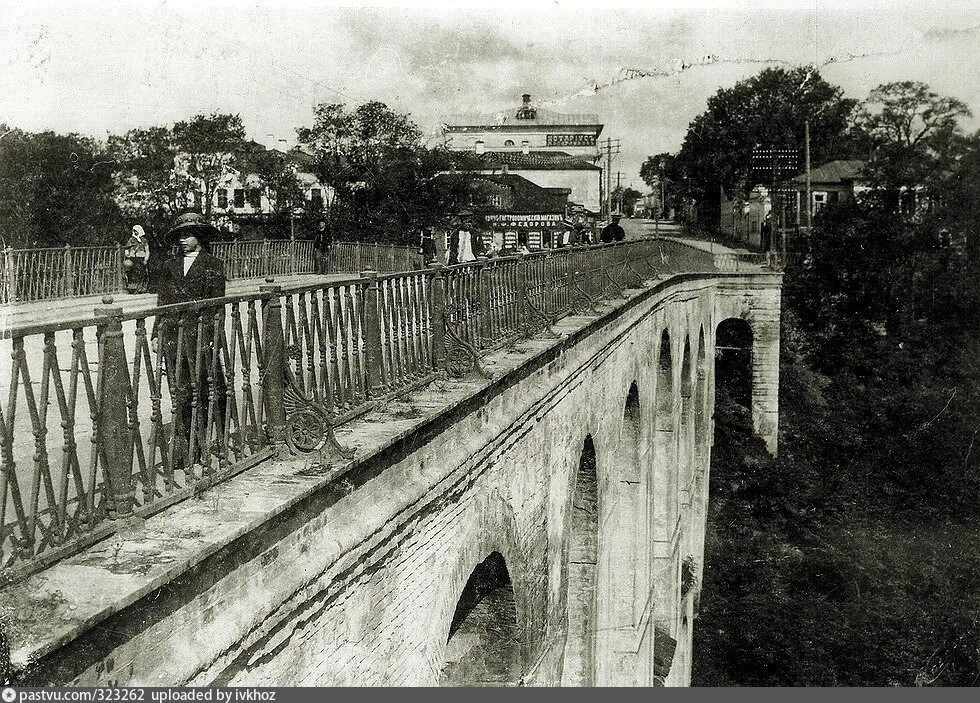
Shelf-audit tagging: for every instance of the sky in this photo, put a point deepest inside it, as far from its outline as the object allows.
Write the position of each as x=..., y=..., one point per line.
x=105, y=67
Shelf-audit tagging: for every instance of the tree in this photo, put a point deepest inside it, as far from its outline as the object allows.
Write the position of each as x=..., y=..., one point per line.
x=382, y=178
x=626, y=198
x=56, y=189
x=912, y=132
x=851, y=558
x=278, y=175
x=662, y=173
x=767, y=110
x=148, y=188
x=208, y=148
x=908, y=112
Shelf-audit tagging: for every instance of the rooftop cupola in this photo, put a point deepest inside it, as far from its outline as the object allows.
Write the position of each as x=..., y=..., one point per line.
x=526, y=112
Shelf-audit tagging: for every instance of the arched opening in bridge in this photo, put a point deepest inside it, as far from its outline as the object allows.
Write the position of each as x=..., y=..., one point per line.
x=484, y=646
x=701, y=429
x=579, y=669
x=664, y=446
x=733, y=363
x=685, y=449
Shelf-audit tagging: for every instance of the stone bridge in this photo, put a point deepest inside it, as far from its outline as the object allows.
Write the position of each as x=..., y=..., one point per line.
x=537, y=521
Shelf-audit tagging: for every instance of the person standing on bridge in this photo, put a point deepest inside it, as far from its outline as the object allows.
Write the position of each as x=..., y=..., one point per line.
x=187, y=338
x=613, y=232
x=322, y=242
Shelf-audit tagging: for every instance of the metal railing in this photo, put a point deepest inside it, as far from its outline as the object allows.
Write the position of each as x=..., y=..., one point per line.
x=30, y=275
x=264, y=257
x=347, y=257
x=60, y=272
x=123, y=414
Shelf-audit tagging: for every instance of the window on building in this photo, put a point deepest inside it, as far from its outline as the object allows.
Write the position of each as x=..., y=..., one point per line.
x=316, y=198
x=222, y=198
x=509, y=142
x=239, y=197
x=819, y=200
x=255, y=198
x=497, y=200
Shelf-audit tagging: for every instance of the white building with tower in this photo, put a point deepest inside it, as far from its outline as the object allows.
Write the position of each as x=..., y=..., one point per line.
x=550, y=149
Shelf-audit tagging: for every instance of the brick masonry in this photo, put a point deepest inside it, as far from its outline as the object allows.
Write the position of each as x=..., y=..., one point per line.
x=355, y=578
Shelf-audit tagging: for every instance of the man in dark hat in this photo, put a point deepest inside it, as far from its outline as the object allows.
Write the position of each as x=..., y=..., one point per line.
x=613, y=232
x=192, y=276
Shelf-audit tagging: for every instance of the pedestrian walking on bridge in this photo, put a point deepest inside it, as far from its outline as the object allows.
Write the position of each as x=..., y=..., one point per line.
x=613, y=232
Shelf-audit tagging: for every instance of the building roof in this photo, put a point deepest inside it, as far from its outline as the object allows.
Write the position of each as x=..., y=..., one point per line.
x=536, y=161
x=528, y=198
x=834, y=172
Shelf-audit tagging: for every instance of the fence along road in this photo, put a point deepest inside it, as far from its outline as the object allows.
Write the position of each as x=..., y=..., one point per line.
x=88, y=435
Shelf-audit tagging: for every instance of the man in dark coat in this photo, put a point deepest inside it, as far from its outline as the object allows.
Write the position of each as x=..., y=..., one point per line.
x=613, y=232
x=322, y=241
x=188, y=340
x=428, y=248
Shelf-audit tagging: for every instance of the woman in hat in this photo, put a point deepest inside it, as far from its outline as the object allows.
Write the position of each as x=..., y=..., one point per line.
x=193, y=275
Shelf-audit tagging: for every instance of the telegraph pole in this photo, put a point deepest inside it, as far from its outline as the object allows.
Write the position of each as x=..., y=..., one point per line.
x=611, y=144
x=806, y=139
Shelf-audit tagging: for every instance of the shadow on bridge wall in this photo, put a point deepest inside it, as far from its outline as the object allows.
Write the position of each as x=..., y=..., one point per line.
x=583, y=466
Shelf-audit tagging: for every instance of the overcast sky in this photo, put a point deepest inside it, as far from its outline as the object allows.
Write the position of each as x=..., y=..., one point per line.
x=107, y=67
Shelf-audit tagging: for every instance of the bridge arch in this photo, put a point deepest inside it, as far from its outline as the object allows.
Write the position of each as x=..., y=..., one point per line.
x=483, y=645
x=476, y=571
x=758, y=314
x=733, y=361
x=664, y=482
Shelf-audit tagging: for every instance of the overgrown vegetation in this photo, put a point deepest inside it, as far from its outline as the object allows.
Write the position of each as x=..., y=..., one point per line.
x=854, y=557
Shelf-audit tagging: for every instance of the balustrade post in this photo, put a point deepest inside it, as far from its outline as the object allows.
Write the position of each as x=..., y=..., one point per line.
x=7, y=274
x=372, y=334
x=485, y=331
x=120, y=277
x=438, y=313
x=70, y=278
x=573, y=258
x=273, y=370
x=525, y=313
x=114, y=433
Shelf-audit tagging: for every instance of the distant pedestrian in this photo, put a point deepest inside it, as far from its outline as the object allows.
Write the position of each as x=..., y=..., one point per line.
x=464, y=238
x=322, y=242
x=428, y=248
x=613, y=232
x=135, y=260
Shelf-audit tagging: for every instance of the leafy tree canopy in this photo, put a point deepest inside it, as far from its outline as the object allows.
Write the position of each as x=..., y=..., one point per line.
x=913, y=135
x=767, y=110
x=382, y=176
x=56, y=189
x=209, y=147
